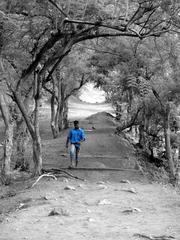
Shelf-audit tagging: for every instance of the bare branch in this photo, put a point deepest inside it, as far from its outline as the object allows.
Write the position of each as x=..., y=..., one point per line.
x=156, y=25
x=85, y=9
x=57, y=171
x=147, y=20
x=69, y=4
x=158, y=98
x=130, y=123
x=58, y=8
x=99, y=24
x=88, y=37
x=127, y=9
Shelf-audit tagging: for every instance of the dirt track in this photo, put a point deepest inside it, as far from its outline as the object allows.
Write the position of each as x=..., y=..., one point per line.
x=93, y=209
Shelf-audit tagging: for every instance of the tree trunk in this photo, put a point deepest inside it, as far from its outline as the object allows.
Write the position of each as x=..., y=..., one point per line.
x=21, y=139
x=65, y=115
x=22, y=136
x=60, y=119
x=8, y=148
x=61, y=90
x=167, y=142
x=141, y=135
x=37, y=148
x=53, y=112
x=37, y=156
x=53, y=116
x=33, y=128
x=8, y=141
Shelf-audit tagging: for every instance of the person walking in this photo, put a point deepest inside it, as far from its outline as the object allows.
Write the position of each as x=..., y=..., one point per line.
x=75, y=137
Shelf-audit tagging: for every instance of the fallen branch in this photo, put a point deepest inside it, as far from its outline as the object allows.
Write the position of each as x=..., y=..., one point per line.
x=55, y=171
x=43, y=175
x=150, y=237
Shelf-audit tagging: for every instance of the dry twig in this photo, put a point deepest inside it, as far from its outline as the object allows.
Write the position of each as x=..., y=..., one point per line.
x=150, y=237
x=43, y=175
x=57, y=171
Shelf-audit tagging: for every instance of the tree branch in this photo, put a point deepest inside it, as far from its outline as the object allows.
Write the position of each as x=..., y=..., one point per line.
x=58, y=8
x=34, y=49
x=4, y=110
x=23, y=110
x=48, y=45
x=88, y=37
x=158, y=98
x=82, y=82
x=47, y=79
x=50, y=91
x=147, y=20
x=58, y=56
x=99, y=24
x=130, y=123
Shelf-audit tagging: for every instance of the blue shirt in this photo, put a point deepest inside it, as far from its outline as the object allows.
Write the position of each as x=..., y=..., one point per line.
x=76, y=135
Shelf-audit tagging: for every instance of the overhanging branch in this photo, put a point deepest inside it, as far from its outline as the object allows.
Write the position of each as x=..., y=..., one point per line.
x=82, y=82
x=99, y=24
x=48, y=45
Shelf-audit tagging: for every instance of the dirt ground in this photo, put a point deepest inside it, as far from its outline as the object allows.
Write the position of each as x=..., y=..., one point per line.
x=121, y=205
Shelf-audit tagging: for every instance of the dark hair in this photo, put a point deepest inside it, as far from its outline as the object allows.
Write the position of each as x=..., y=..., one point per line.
x=76, y=122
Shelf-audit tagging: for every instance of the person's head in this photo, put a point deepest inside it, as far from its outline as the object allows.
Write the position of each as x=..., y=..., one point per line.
x=76, y=124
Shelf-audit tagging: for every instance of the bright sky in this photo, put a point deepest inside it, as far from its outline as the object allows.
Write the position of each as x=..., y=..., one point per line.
x=90, y=94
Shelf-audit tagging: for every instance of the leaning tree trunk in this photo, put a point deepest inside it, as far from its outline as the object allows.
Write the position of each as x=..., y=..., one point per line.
x=21, y=141
x=37, y=148
x=22, y=136
x=8, y=141
x=33, y=129
x=168, y=143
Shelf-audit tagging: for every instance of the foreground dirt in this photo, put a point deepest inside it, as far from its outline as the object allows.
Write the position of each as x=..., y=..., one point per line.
x=93, y=210
x=108, y=205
